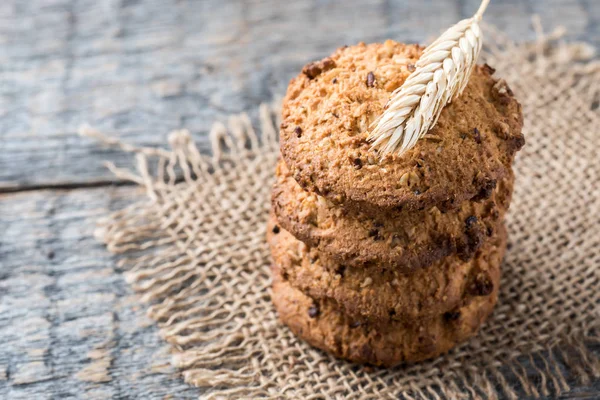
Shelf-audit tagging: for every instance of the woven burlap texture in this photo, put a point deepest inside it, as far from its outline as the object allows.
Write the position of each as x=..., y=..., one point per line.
x=195, y=249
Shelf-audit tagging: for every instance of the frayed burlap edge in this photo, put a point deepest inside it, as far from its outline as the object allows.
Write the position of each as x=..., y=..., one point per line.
x=195, y=250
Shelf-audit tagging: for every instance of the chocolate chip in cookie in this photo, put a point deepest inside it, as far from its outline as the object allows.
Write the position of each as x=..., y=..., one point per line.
x=482, y=284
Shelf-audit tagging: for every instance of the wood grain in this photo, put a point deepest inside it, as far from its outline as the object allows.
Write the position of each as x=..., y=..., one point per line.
x=138, y=69
x=69, y=325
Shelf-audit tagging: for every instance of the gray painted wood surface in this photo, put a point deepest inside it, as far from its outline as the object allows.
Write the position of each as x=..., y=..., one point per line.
x=69, y=325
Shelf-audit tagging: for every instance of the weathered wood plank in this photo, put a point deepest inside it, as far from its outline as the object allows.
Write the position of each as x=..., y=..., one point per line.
x=138, y=69
x=69, y=325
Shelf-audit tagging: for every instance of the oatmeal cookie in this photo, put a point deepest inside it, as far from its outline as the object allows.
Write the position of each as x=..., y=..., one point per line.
x=330, y=108
x=405, y=240
x=385, y=296
x=323, y=325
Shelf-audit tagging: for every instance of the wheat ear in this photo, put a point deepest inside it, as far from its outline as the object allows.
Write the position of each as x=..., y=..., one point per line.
x=441, y=73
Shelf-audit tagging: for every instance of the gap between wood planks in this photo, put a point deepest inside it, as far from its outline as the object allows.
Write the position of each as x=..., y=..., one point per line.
x=64, y=186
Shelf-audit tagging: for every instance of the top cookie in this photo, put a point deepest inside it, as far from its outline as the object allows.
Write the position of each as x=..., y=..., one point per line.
x=331, y=106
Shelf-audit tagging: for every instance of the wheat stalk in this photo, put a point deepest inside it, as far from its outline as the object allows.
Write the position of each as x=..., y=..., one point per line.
x=441, y=73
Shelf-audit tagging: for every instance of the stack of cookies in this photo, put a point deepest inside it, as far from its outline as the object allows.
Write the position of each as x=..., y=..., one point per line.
x=393, y=259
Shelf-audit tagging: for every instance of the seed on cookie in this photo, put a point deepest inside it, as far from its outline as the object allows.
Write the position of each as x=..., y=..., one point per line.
x=367, y=282
x=357, y=162
x=502, y=130
x=404, y=179
x=477, y=136
x=315, y=69
x=433, y=138
x=470, y=221
x=370, y=79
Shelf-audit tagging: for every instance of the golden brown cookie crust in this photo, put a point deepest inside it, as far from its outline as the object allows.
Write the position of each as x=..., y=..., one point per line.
x=404, y=240
x=387, y=296
x=321, y=324
x=328, y=111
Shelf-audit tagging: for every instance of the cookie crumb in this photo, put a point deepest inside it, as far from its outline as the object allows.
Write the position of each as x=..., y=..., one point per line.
x=411, y=67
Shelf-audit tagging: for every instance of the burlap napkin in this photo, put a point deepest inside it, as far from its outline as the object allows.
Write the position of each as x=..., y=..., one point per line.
x=195, y=249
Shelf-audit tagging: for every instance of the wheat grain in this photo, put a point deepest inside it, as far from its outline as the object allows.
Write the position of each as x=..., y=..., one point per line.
x=441, y=73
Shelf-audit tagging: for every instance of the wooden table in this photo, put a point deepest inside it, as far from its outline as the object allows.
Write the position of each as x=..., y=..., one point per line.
x=136, y=69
